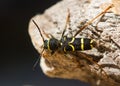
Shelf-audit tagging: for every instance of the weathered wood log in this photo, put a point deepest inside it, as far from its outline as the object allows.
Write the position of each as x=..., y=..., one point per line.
x=74, y=65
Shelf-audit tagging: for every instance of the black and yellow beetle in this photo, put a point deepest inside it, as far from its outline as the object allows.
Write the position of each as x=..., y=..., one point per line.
x=71, y=44
x=68, y=44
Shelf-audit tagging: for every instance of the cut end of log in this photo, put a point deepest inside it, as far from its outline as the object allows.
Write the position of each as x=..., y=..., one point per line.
x=105, y=58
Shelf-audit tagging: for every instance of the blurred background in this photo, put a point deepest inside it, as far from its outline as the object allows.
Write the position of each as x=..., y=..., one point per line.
x=17, y=54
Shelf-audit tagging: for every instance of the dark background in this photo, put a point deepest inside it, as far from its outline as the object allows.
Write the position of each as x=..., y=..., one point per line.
x=17, y=54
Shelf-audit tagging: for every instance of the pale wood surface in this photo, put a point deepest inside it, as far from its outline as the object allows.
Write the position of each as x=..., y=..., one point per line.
x=72, y=65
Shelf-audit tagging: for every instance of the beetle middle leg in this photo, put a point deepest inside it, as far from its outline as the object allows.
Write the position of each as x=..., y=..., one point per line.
x=89, y=22
x=89, y=58
x=66, y=23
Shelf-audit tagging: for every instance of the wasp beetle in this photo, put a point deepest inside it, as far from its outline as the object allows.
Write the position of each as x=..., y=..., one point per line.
x=71, y=43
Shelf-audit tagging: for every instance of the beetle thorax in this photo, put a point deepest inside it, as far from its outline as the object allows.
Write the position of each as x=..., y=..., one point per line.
x=52, y=44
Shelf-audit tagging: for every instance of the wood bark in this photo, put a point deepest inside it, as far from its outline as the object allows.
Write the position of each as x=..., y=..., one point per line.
x=74, y=65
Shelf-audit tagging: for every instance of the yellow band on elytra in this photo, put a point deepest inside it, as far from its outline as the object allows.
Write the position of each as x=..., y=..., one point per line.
x=91, y=44
x=72, y=40
x=82, y=44
x=73, y=48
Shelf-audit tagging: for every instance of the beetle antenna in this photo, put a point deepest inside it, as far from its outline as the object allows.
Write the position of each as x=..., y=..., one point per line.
x=37, y=61
x=43, y=42
x=38, y=29
x=35, y=64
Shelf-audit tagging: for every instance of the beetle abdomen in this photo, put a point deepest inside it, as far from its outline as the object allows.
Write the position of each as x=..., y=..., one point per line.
x=73, y=44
